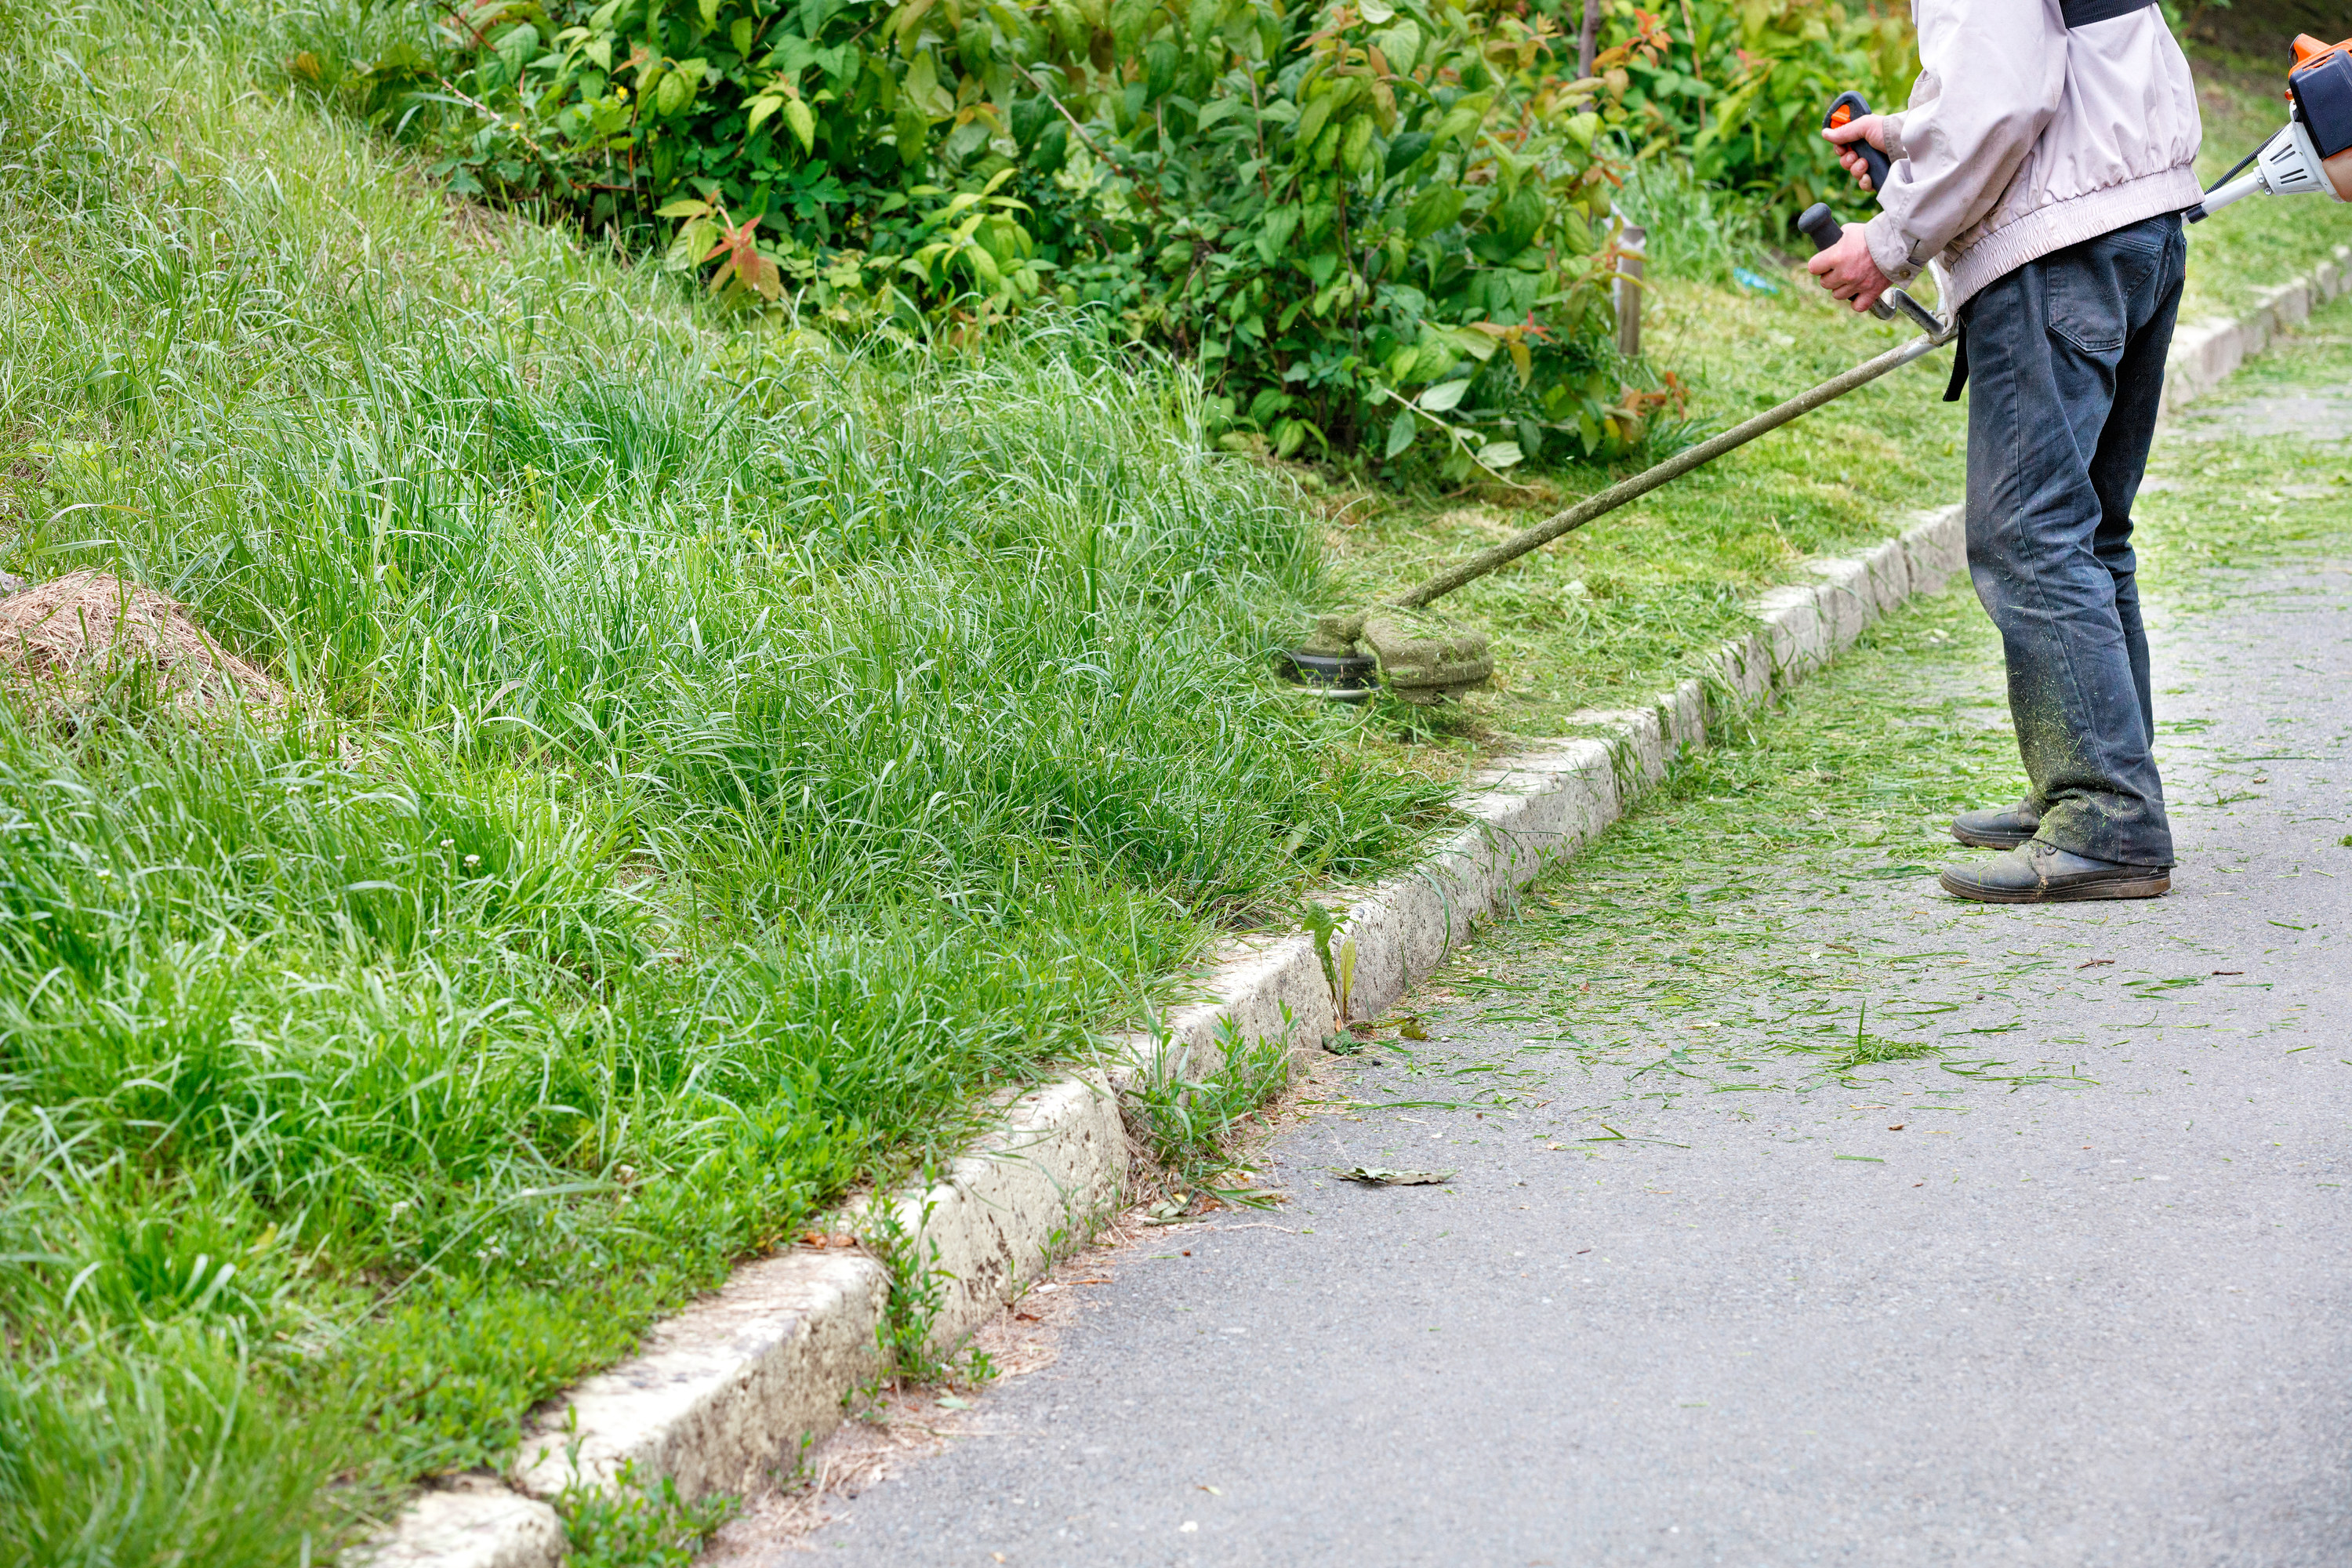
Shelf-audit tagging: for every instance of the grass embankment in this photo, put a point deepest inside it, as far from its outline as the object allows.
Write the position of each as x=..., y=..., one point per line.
x=1617, y=612
x=714, y=761
x=1723, y=931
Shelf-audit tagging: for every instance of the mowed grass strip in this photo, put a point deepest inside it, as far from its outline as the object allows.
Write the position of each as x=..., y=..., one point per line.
x=717, y=758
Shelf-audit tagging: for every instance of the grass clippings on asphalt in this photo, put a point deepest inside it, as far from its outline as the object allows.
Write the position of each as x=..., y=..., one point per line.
x=1706, y=945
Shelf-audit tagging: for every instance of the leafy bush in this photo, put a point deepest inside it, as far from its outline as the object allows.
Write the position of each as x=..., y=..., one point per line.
x=1370, y=221
x=1741, y=92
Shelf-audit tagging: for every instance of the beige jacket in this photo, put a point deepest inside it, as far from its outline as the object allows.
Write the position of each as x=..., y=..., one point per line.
x=2022, y=137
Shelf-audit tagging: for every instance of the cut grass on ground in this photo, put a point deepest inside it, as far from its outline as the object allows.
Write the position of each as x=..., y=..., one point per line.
x=715, y=763
x=1712, y=935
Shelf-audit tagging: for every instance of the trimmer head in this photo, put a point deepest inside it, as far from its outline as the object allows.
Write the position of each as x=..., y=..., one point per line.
x=1423, y=658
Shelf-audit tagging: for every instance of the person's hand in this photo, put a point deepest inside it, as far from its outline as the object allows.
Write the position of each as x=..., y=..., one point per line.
x=1870, y=128
x=1848, y=270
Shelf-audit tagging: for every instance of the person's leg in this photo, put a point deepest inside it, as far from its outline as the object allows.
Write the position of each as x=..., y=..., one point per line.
x=2121, y=460
x=2050, y=557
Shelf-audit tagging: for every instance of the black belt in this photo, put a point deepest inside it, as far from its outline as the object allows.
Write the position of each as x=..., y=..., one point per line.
x=2082, y=13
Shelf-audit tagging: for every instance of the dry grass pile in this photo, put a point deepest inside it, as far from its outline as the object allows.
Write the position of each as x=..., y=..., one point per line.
x=87, y=630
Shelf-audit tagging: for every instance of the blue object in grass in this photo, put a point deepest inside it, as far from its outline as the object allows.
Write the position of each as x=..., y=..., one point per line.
x=1754, y=282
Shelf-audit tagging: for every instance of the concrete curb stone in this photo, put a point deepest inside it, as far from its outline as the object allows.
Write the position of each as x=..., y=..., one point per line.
x=735, y=1383
x=477, y=1524
x=2204, y=352
x=1030, y=1190
x=724, y=1387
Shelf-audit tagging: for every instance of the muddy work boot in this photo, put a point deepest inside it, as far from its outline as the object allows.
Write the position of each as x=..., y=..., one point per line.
x=2039, y=873
x=2002, y=829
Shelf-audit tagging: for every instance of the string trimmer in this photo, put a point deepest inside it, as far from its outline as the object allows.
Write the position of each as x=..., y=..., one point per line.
x=1425, y=660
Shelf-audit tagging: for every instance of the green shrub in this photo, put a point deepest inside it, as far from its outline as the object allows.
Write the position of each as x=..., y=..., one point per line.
x=1741, y=92
x=1370, y=223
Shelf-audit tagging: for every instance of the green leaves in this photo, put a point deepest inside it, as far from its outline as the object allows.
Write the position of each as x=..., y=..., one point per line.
x=1443, y=398
x=1274, y=234
x=797, y=119
x=1436, y=206
x=1405, y=150
x=1399, y=45
x=1742, y=96
x=803, y=123
x=1461, y=121
x=673, y=88
x=921, y=88
x=1302, y=198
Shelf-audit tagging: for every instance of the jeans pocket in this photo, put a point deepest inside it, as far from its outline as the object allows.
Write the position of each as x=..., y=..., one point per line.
x=2090, y=289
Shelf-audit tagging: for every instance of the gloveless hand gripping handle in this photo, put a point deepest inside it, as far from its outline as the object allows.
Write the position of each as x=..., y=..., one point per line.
x=1821, y=226
x=1845, y=109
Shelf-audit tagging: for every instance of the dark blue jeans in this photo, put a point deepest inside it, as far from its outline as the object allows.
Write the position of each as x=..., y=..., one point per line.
x=2066, y=366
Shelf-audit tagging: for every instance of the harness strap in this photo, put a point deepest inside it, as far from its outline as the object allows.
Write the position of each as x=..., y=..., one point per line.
x=2082, y=13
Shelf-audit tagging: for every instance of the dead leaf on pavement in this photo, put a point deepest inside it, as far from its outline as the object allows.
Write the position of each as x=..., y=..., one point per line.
x=1382, y=1176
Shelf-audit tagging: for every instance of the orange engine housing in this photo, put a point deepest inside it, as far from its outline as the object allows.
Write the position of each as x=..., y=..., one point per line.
x=2308, y=48
x=2336, y=163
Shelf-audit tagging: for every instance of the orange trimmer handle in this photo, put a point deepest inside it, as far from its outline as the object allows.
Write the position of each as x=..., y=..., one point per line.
x=1844, y=108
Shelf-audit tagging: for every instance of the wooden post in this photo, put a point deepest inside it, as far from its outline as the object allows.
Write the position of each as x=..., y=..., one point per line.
x=1632, y=241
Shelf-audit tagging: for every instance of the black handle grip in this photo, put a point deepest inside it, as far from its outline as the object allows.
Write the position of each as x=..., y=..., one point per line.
x=1821, y=225
x=1851, y=106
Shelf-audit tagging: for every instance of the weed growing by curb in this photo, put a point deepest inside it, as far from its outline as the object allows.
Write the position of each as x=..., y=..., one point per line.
x=637, y=1523
x=917, y=1289
x=1339, y=964
x=1189, y=1125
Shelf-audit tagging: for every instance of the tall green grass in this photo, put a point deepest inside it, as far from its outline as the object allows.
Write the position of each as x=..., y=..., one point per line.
x=1696, y=232
x=718, y=756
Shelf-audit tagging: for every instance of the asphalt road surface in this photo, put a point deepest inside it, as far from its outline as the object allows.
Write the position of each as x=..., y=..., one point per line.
x=2083, y=1301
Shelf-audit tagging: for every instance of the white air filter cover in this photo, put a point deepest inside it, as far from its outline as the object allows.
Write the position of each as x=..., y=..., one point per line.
x=2332, y=176
x=2290, y=164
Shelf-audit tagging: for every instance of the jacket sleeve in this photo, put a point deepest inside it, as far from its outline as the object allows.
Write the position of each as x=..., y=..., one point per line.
x=1992, y=73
